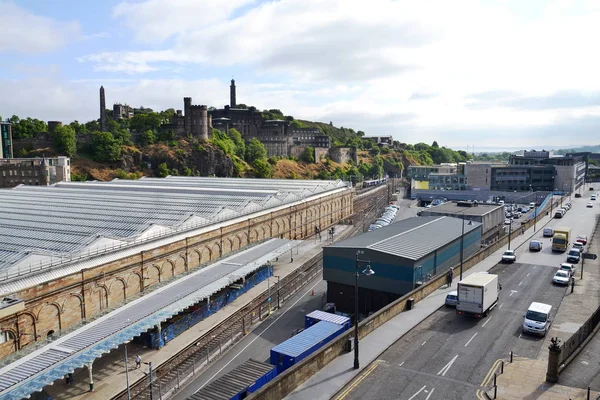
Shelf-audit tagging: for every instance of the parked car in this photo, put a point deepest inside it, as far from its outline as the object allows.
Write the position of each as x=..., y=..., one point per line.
x=535, y=245
x=573, y=256
x=577, y=195
x=579, y=246
x=590, y=205
x=507, y=222
x=561, y=277
x=451, y=298
x=570, y=268
x=581, y=239
x=509, y=256
x=548, y=232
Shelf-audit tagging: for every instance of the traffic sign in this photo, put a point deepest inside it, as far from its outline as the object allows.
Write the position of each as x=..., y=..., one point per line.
x=590, y=256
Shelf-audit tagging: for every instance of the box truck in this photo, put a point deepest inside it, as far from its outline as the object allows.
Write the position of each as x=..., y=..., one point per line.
x=560, y=239
x=477, y=294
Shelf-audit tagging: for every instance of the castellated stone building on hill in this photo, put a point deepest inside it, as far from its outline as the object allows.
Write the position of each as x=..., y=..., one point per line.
x=278, y=136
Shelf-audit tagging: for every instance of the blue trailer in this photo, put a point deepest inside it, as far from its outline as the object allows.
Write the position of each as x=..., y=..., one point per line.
x=317, y=316
x=300, y=346
x=238, y=383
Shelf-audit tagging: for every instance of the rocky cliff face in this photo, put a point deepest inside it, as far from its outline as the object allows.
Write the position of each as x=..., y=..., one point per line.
x=203, y=160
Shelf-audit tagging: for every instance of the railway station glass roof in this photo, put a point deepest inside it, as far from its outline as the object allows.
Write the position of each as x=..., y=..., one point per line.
x=40, y=225
x=51, y=362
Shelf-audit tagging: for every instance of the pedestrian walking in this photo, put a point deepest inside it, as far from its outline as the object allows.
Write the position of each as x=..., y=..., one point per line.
x=70, y=378
x=449, y=277
x=522, y=230
x=138, y=361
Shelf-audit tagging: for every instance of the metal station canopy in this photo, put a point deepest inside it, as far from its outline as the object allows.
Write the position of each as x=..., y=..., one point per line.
x=51, y=362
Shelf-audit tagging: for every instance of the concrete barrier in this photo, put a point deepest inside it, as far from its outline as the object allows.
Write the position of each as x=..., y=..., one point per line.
x=293, y=377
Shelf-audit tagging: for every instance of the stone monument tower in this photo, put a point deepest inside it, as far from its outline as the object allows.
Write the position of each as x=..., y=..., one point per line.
x=232, y=102
x=103, y=127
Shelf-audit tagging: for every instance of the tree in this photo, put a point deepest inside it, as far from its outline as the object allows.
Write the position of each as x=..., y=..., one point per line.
x=240, y=145
x=147, y=137
x=105, y=147
x=255, y=151
x=262, y=168
x=308, y=155
x=435, y=144
x=162, y=170
x=64, y=140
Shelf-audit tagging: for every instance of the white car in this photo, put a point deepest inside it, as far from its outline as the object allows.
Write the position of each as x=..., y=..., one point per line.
x=509, y=256
x=451, y=299
x=579, y=246
x=570, y=268
x=561, y=277
x=590, y=205
x=507, y=222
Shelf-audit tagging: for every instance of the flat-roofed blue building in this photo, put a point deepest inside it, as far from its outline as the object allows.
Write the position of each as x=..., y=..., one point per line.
x=403, y=255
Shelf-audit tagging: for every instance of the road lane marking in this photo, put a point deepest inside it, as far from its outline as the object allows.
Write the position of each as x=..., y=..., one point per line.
x=401, y=364
x=527, y=275
x=472, y=337
x=429, y=395
x=423, y=344
x=415, y=395
x=485, y=323
x=500, y=306
x=520, y=283
x=260, y=334
x=512, y=292
x=358, y=381
x=535, y=266
x=520, y=334
x=447, y=366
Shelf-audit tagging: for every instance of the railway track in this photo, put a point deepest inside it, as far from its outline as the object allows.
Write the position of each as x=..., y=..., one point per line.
x=173, y=373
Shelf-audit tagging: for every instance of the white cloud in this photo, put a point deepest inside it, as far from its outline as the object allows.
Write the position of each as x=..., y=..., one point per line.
x=420, y=70
x=158, y=20
x=24, y=32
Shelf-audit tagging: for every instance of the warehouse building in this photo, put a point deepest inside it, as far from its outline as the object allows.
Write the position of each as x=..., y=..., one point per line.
x=491, y=216
x=401, y=255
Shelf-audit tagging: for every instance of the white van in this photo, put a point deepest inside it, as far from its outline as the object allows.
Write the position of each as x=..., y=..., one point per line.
x=548, y=232
x=537, y=319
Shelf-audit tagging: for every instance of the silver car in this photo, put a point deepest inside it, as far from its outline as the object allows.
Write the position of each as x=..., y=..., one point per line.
x=451, y=299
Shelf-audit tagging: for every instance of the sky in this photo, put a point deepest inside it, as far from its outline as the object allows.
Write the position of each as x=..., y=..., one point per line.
x=470, y=73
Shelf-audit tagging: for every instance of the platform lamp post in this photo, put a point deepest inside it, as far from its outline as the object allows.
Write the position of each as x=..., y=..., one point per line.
x=368, y=272
x=127, y=374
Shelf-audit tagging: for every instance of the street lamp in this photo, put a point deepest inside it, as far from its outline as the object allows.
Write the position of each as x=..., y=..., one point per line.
x=462, y=241
x=368, y=272
x=509, y=234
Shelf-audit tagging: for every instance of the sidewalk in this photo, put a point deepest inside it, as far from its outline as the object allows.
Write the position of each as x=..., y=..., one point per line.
x=109, y=370
x=334, y=376
x=525, y=379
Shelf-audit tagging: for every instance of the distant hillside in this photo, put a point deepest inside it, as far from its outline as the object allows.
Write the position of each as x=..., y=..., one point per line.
x=592, y=149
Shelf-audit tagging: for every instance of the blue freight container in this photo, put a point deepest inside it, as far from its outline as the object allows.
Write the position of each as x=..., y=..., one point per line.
x=238, y=383
x=300, y=346
x=317, y=316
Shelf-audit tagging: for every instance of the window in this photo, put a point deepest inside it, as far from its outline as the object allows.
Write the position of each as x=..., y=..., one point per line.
x=6, y=336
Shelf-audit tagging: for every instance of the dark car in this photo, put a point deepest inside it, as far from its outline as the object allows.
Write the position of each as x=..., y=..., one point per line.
x=573, y=256
x=535, y=245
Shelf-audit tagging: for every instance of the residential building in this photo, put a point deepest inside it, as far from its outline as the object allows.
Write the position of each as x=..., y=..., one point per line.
x=381, y=140
x=34, y=171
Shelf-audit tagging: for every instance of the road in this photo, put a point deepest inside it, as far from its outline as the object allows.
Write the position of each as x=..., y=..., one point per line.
x=448, y=356
x=272, y=331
